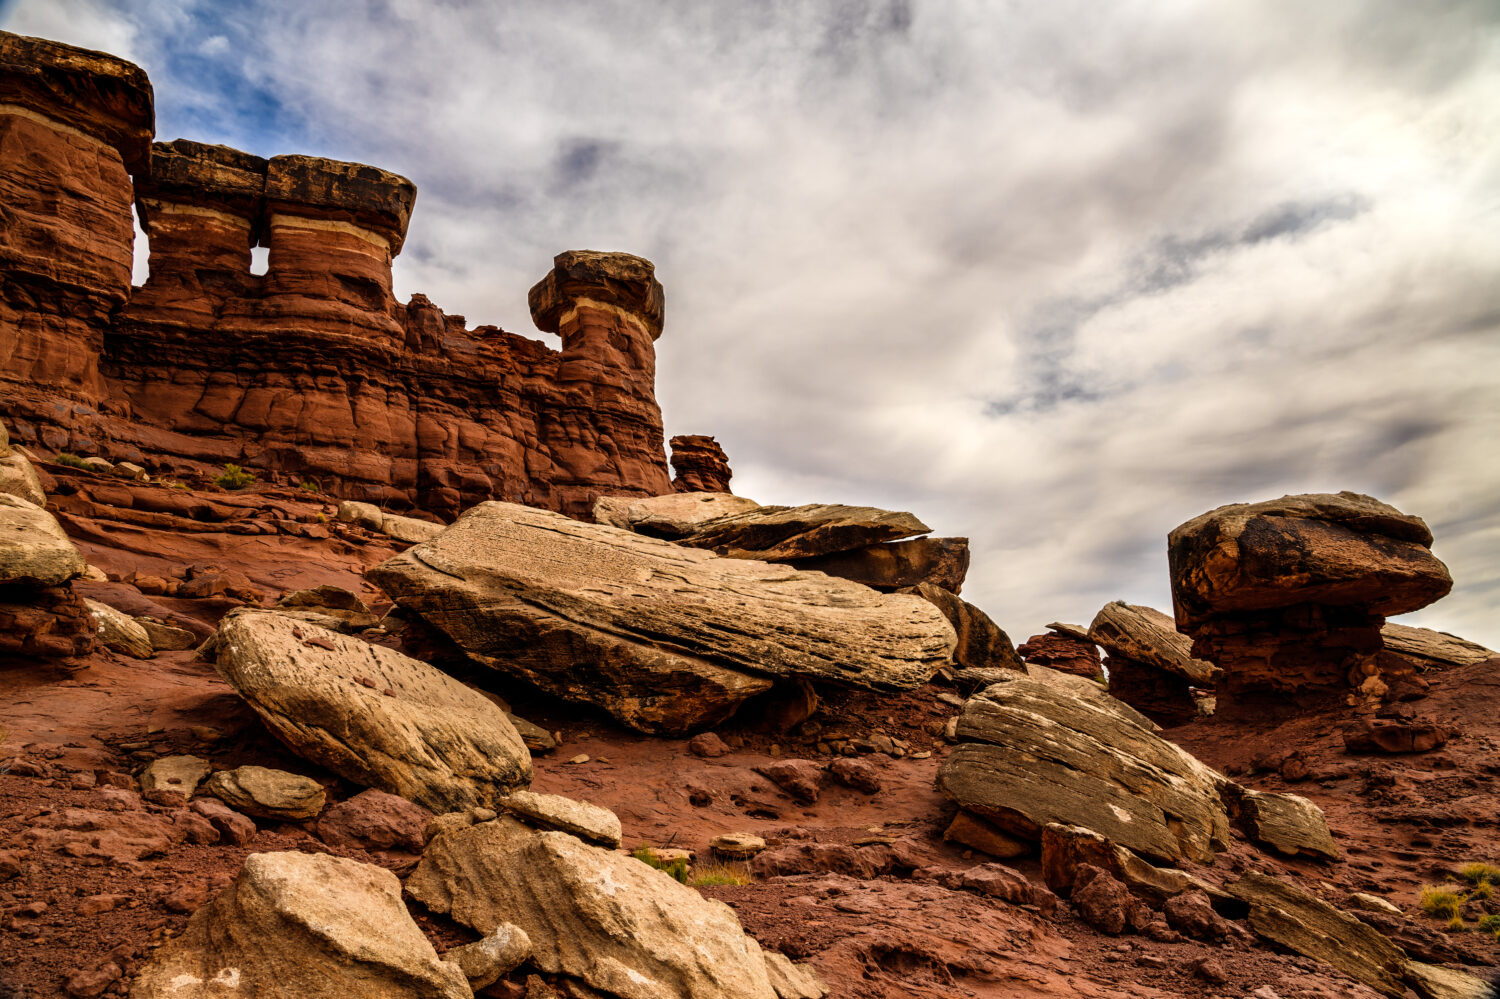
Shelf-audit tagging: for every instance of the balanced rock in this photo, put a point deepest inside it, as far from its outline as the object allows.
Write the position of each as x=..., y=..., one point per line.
x=370, y=714
x=572, y=900
x=120, y=632
x=591, y=823
x=1303, y=923
x=302, y=926
x=665, y=638
x=1033, y=752
x=779, y=533
x=895, y=565
x=1288, y=596
x=1150, y=663
x=268, y=794
x=674, y=515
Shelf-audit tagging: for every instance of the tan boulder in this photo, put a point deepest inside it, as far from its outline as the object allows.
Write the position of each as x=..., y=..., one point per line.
x=268, y=794
x=780, y=533
x=180, y=773
x=590, y=823
x=895, y=565
x=370, y=714
x=674, y=515
x=119, y=631
x=331, y=607
x=1425, y=649
x=621, y=926
x=665, y=638
x=1147, y=636
x=34, y=551
x=302, y=926
x=18, y=477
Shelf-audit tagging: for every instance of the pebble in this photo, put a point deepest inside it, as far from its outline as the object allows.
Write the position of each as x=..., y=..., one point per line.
x=580, y=758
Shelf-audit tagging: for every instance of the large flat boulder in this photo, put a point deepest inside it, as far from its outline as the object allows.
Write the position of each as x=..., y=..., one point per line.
x=302, y=926
x=1034, y=752
x=1147, y=636
x=370, y=714
x=674, y=515
x=780, y=533
x=1426, y=649
x=1303, y=923
x=621, y=926
x=665, y=638
x=893, y=565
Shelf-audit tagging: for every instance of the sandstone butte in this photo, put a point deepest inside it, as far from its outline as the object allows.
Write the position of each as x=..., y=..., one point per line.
x=312, y=371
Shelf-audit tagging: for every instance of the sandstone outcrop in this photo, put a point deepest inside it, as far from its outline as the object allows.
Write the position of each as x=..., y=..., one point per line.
x=1291, y=917
x=370, y=714
x=700, y=464
x=1033, y=753
x=120, y=632
x=17, y=475
x=572, y=900
x=1408, y=649
x=981, y=644
x=895, y=565
x=302, y=926
x=675, y=515
x=665, y=638
x=311, y=371
x=1150, y=664
x=782, y=534
x=40, y=615
x=1288, y=596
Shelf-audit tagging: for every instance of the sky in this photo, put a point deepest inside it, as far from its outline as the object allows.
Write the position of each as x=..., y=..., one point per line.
x=1054, y=276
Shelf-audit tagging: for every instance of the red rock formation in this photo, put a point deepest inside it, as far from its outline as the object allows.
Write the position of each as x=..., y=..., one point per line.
x=701, y=465
x=1068, y=653
x=1288, y=596
x=312, y=370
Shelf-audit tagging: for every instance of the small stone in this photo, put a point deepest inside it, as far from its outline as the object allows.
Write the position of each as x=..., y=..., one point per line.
x=858, y=774
x=93, y=905
x=182, y=774
x=737, y=846
x=499, y=953
x=1210, y=970
x=185, y=898
x=972, y=831
x=707, y=745
x=234, y=828
x=1371, y=903
x=580, y=758
x=85, y=983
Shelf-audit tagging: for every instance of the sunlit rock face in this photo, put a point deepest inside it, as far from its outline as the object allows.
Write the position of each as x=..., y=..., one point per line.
x=312, y=370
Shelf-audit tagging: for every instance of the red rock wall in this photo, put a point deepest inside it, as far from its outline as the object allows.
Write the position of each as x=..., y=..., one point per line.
x=313, y=370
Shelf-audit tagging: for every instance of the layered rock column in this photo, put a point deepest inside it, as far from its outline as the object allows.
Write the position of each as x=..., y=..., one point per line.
x=74, y=125
x=1288, y=596
x=701, y=465
x=608, y=309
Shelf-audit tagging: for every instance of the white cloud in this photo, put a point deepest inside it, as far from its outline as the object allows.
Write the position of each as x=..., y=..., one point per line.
x=1057, y=277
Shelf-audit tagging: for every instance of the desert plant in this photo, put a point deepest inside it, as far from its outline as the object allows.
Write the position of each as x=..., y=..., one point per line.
x=677, y=869
x=1480, y=874
x=234, y=477
x=71, y=460
x=721, y=874
x=1442, y=903
x=1457, y=923
x=1490, y=924
x=309, y=486
x=1483, y=890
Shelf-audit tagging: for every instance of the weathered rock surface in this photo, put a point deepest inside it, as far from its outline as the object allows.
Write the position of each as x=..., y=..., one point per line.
x=375, y=820
x=1150, y=663
x=1033, y=753
x=608, y=919
x=331, y=607
x=974, y=832
x=981, y=644
x=17, y=476
x=179, y=773
x=1288, y=823
x=672, y=516
x=34, y=550
x=119, y=631
x=267, y=794
x=1066, y=849
x=1289, y=916
x=1430, y=981
x=166, y=637
x=665, y=638
x=780, y=533
x=501, y=951
x=1066, y=653
x=577, y=818
x=700, y=464
x=895, y=565
x=302, y=926
x=1396, y=735
x=1424, y=649
x=1289, y=596
x=40, y=615
x=370, y=714
x=371, y=517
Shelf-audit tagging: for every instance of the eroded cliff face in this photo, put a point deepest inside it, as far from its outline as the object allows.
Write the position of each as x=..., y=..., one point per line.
x=313, y=370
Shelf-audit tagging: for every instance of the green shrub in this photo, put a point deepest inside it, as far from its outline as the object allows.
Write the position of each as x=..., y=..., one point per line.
x=71, y=460
x=1490, y=924
x=1442, y=903
x=234, y=477
x=1483, y=890
x=1478, y=874
x=678, y=868
x=309, y=486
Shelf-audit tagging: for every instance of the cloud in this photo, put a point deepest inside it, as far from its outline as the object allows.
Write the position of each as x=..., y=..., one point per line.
x=1055, y=277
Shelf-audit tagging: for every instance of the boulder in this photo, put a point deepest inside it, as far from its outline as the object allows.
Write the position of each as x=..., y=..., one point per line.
x=780, y=534
x=895, y=565
x=331, y=607
x=166, y=637
x=1150, y=664
x=1066, y=849
x=971, y=831
x=120, y=632
x=375, y=820
x=621, y=926
x=34, y=551
x=302, y=926
x=1065, y=653
x=1429, y=981
x=181, y=773
x=665, y=638
x=372, y=518
x=17, y=475
x=737, y=846
x=268, y=794
x=591, y=823
x=500, y=952
x=1035, y=752
x=674, y=515
x=1423, y=649
x=370, y=714
x=1288, y=823
x=1303, y=923
x=1005, y=883
x=1396, y=735
x=798, y=778
x=980, y=642
x=1102, y=900
x=1288, y=596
